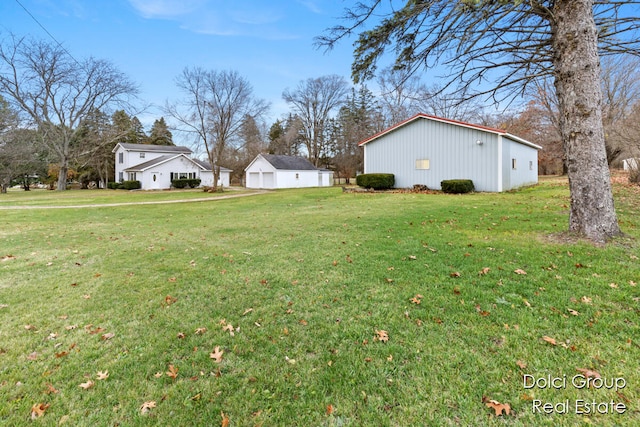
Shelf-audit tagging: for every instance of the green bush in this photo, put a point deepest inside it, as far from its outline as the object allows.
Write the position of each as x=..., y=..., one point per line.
x=377, y=181
x=184, y=183
x=114, y=185
x=131, y=185
x=457, y=186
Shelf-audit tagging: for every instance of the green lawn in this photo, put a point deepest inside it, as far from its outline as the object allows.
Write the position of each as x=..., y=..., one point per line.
x=299, y=291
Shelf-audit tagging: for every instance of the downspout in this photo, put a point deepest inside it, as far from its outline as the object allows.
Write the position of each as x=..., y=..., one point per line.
x=499, y=163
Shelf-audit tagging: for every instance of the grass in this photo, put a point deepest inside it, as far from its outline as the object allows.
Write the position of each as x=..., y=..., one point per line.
x=306, y=278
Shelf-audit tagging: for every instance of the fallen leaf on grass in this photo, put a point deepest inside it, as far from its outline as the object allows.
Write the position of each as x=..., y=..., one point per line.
x=147, y=406
x=330, y=409
x=497, y=406
x=107, y=336
x=415, y=300
x=87, y=385
x=588, y=373
x=33, y=356
x=51, y=389
x=519, y=271
x=200, y=331
x=7, y=257
x=549, y=340
x=521, y=364
x=572, y=311
x=38, y=410
x=225, y=420
x=217, y=354
x=30, y=327
x=484, y=271
x=102, y=375
x=585, y=299
x=228, y=328
x=382, y=336
x=455, y=274
x=172, y=372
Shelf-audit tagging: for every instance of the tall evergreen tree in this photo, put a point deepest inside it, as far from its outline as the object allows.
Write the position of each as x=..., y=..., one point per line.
x=160, y=133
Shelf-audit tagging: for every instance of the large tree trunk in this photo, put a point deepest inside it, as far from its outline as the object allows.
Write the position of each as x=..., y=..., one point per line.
x=577, y=82
x=62, y=177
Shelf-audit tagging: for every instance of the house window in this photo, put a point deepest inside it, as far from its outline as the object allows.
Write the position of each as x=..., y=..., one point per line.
x=142, y=155
x=192, y=175
x=422, y=164
x=513, y=164
x=183, y=175
x=132, y=176
x=120, y=158
x=530, y=165
x=120, y=176
x=297, y=176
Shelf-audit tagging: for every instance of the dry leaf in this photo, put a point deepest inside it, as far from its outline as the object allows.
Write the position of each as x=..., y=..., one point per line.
x=519, y=271
x=498, y=407
x=588, y=373
x=550, y=340
x=521, y=364
x=381, y=335
x=147, y=406
x=455, y=274
x=181, y=335
x=330, y=409
x=613, y=285
x=572, y=311
x=217, y=354
x=158, y=374
x=108, y=336
x=200, y=331
x=87, y=385
x=247, y=311
x=225, y=420
x=484, y=271
x=585, y=299
x=172, y=372
x=38, y=410
x=415, y=300
x=102, y=375
x=33, y=356
x=228, y=328
x=30, y=327
x=51, y=389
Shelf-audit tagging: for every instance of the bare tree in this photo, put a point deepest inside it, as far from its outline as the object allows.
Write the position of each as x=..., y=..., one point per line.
x=511, y=43
x=216, y=106
x=56, y=92
x=313, y=101
x=400, y=94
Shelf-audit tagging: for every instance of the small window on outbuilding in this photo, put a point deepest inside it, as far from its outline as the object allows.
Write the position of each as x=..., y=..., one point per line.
x=513, y=164
x=142, y=155
x=530, y=165
x=422, y=164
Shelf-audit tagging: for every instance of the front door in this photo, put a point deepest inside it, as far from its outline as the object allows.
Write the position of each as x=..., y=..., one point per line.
x=155, y=180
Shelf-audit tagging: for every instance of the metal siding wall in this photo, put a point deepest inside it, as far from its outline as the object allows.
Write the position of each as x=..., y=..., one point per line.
x=522, y=175
x=452, y=152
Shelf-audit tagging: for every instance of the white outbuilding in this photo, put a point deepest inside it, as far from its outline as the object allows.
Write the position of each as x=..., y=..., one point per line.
x=155, y=166
x=427, y=150
x=279, y=171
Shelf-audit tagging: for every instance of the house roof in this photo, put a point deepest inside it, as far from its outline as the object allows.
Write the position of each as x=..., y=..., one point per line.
x=451, y=122
x=207, y=165
x=289, y=162
x=204, y=166
x=153, y=148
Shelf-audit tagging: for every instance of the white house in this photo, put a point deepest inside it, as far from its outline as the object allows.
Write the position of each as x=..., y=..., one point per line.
x=155, y=166
x=427, y=150
x=279, y=171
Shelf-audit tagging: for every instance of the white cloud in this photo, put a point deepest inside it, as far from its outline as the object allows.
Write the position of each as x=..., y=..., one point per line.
x=167, y=9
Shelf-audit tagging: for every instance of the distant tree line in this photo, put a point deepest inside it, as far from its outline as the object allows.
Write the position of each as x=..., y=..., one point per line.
x=45, y=137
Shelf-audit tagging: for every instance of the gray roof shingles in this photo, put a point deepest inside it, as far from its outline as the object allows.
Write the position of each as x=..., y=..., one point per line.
x=289, y=162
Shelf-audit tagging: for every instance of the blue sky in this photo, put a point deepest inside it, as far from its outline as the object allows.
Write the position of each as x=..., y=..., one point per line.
x=270, y=43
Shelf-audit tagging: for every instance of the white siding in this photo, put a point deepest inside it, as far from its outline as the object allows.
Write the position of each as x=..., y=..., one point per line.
x=526, y=164
x=452, y=151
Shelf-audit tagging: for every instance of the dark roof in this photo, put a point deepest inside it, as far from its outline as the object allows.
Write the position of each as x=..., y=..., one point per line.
x=207, y=165
x=289, y=162
x=149, y=147
x=149, y=163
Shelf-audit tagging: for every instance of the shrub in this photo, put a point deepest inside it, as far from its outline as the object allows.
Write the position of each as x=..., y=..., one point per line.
x=457, y=186
x=184, y=183
x=131, y=185
x=114, y=185
x=377, y=181
x=634, y=175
